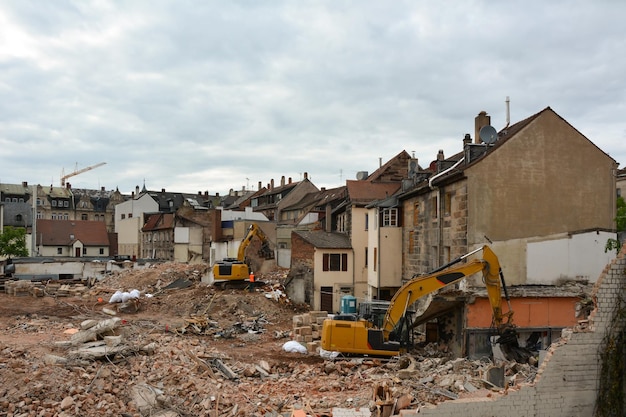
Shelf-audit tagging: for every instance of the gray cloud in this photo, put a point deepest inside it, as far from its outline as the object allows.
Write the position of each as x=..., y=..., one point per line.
x=192, y=96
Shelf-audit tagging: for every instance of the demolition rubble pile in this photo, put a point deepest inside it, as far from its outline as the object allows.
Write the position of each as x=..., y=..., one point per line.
x=188, y=349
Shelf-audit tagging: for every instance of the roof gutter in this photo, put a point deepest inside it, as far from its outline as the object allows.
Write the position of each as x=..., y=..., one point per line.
x=434, y=177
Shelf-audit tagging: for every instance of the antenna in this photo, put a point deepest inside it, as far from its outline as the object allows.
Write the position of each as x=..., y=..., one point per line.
x=488, y=134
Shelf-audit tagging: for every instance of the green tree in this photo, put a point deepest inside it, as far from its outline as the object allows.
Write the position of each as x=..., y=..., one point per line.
x=620, y=224
x=620, y=218
x=13, y=242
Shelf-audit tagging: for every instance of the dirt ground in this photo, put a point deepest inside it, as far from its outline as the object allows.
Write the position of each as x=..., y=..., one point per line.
x=192, y=329
x=32, y=328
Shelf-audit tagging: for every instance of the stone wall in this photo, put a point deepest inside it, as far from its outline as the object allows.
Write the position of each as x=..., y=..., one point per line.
x=568, y=379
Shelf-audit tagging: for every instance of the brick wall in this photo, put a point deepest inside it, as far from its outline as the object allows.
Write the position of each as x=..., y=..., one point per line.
x=567, y=381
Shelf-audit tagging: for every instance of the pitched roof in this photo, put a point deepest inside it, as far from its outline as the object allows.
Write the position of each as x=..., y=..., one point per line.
x=318, y=198
x=158, y=221
x=396, y=169
x=364, y=192
x=66, y=232
x=328, y=240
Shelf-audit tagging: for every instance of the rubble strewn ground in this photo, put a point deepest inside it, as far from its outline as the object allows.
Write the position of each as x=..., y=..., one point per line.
x=187, y=349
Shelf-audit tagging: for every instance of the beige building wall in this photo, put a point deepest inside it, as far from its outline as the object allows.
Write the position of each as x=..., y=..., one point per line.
x=129, y=221
x=384, y=251
x=530, y=188
x=128, y=235
x=361, y=221
x=335, y=279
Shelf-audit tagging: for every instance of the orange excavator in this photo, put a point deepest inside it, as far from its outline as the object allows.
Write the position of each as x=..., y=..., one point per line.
x=355, y=335
x=235, y=272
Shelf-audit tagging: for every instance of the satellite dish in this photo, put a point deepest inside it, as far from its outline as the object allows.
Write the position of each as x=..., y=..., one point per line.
x=488, y=134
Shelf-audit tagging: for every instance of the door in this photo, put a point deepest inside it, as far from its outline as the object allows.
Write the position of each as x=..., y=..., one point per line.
x=326, y=299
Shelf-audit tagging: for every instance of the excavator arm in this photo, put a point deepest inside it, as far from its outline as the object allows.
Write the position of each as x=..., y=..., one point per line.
x=447, y=275
x=354, y=335
x=265, y=251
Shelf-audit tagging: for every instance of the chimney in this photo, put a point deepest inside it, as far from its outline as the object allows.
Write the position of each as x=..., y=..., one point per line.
x=272, y=184
x=68, y=186
x=206, y=193
x=467, y=140
x=136, y=189
x=289, y=180
x=282, y=181
x=102, y=188
x=163, y=190
x=328, y=219
x=132, y=194
x=259, y=185
x=306, y=175
x=25, y=184
x=323, y=189
x=199, y=193
x=440, y=155
x=480, y=121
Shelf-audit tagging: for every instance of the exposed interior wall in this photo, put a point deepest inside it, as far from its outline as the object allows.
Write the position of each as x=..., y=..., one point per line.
x=568, y=380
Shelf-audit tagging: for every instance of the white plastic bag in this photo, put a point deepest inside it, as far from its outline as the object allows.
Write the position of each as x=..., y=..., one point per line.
x=116, y=298
x=294, y=347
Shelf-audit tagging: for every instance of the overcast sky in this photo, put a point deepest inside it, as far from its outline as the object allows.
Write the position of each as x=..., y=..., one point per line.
x=217, y=95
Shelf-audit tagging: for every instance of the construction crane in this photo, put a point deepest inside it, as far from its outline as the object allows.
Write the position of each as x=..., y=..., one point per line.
x=78, y=171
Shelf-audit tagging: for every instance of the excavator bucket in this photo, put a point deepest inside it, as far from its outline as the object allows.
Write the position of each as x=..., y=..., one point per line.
x=265, y=251
x=510, y=346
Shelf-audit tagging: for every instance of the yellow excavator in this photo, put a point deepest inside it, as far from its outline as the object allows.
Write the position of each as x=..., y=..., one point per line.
x=235, y=272
x=349, y=334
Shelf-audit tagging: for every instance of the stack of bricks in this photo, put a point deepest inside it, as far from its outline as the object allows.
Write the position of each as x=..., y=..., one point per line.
x=38, y=289
x=22, y=287
x=65, y=290
x=307, y=329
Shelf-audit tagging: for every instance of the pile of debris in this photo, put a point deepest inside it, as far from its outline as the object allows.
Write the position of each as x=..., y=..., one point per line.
x=194, y=350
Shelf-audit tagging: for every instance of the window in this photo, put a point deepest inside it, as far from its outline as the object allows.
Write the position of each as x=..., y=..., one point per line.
x=389, y=217
x=375, y=257
x=367, y=221
x=59, y=251
x=433, y=207
x=66, y=204
x=15, y=199
x=341, y=222
x=7, y=199
x=447, y=205
x=39, y=215
x=416, y=214
x=54, y=203
x=123, y=216
x=18, y=218
x=130, y=215
x=101, y=251
x=83, y=216
x=412, y=241
x=366, y=256
x=84, y=250
x=335, y=262
x=38, y=202
x=66, y=216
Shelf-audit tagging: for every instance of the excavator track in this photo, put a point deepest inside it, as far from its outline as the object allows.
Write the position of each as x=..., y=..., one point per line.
x=238, y=285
